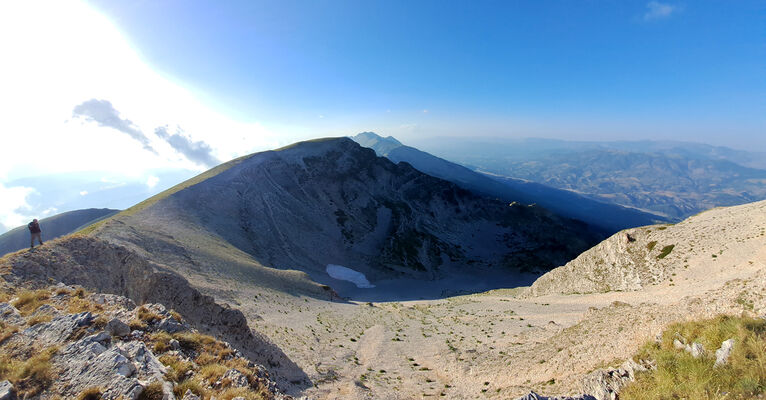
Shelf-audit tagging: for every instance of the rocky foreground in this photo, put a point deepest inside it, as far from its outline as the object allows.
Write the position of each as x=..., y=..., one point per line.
x=60, y=341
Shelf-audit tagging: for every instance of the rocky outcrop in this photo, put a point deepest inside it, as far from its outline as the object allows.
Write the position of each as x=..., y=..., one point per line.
x=88, y=363
x=83, y=355
x=58, y=330
x=110, y=268
x=606, y=384
x=603, y=384
x=7, y=392
x=723, y=353
x=535, y=396
x=625, y=261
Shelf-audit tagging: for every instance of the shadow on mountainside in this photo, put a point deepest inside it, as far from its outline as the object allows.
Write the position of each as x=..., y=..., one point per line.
x=104, y=267
x=405, y=289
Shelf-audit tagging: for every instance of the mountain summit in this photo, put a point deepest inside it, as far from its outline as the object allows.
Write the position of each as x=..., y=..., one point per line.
x=332, y=202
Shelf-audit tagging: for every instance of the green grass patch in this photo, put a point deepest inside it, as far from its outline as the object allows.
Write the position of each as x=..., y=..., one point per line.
x=651, y=245
x=681, y=376
x=665, y=251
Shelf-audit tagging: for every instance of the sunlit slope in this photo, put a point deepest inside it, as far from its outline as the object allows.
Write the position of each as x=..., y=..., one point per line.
x=714, y=243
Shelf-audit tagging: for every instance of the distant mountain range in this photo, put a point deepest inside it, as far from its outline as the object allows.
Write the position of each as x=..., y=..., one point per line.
x=602, y=216
x=671, y=179
x=53, y=227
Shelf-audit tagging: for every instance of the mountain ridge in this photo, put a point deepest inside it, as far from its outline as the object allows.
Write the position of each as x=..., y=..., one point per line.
x=605, y=217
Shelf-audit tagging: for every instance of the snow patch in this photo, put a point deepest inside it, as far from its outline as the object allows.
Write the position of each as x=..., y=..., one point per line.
x=347, y=274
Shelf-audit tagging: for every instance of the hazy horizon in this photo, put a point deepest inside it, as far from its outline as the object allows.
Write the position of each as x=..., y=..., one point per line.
x=122, y=90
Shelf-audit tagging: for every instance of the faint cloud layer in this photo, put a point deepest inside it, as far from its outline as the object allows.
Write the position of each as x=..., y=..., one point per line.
x=104, y=114
x=198, y=152
x=656, y=10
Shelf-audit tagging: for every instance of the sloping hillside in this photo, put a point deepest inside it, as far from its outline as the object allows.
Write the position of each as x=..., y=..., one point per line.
x=636, y=258
x=604, y=217
x=333, y=202
x=53, y=227
x=107, y=268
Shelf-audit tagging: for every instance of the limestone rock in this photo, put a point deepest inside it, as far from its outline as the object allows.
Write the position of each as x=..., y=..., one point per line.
x=237, y=378
x=535, y=396
x=87, y=363
x=170, y=325
x=10, y=315
x=59, y=329
x=697, y=350
x=113, y=300
x=116, y=327
x=723, y=353
x=46, y=309
x=190, y=396
x=147, y=365
x=7, y=392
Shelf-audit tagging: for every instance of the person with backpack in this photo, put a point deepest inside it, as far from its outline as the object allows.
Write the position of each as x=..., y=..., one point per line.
x=35, y=232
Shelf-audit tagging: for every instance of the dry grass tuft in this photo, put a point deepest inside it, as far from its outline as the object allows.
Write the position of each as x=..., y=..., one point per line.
x=212, y=372
x=147, y=316
x=176, y=316
x=190, y=384
x=152, y=391
x=6, y=331
x=30, y=376
x=177, y=367
x=38, y=319
x=28, y=301
x=161, y=342
x=93, y=393
x=248, y=394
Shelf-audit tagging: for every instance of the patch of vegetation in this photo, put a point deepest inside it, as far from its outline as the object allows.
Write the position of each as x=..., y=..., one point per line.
x=6, y=331
x=28, y=301
x=681, y=376
x=665, y=251
x=39, y=319
x=152, y=391
x=192, y=385
x=145, y=315
x=29, y=375
x=650, y=245
x=93, y=393
x=246, y=393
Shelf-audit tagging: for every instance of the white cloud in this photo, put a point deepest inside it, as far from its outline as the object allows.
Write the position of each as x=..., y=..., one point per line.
x=58, y=54
x=657, y=10
x=83, y=193
x=152, y=181
x=48, y=211
x=14, y=209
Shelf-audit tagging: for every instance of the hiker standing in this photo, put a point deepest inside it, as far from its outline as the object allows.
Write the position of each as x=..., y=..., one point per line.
x=35, y=232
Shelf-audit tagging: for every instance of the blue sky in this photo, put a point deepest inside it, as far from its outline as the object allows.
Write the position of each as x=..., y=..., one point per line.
x=568, y=69
x=133, y=96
